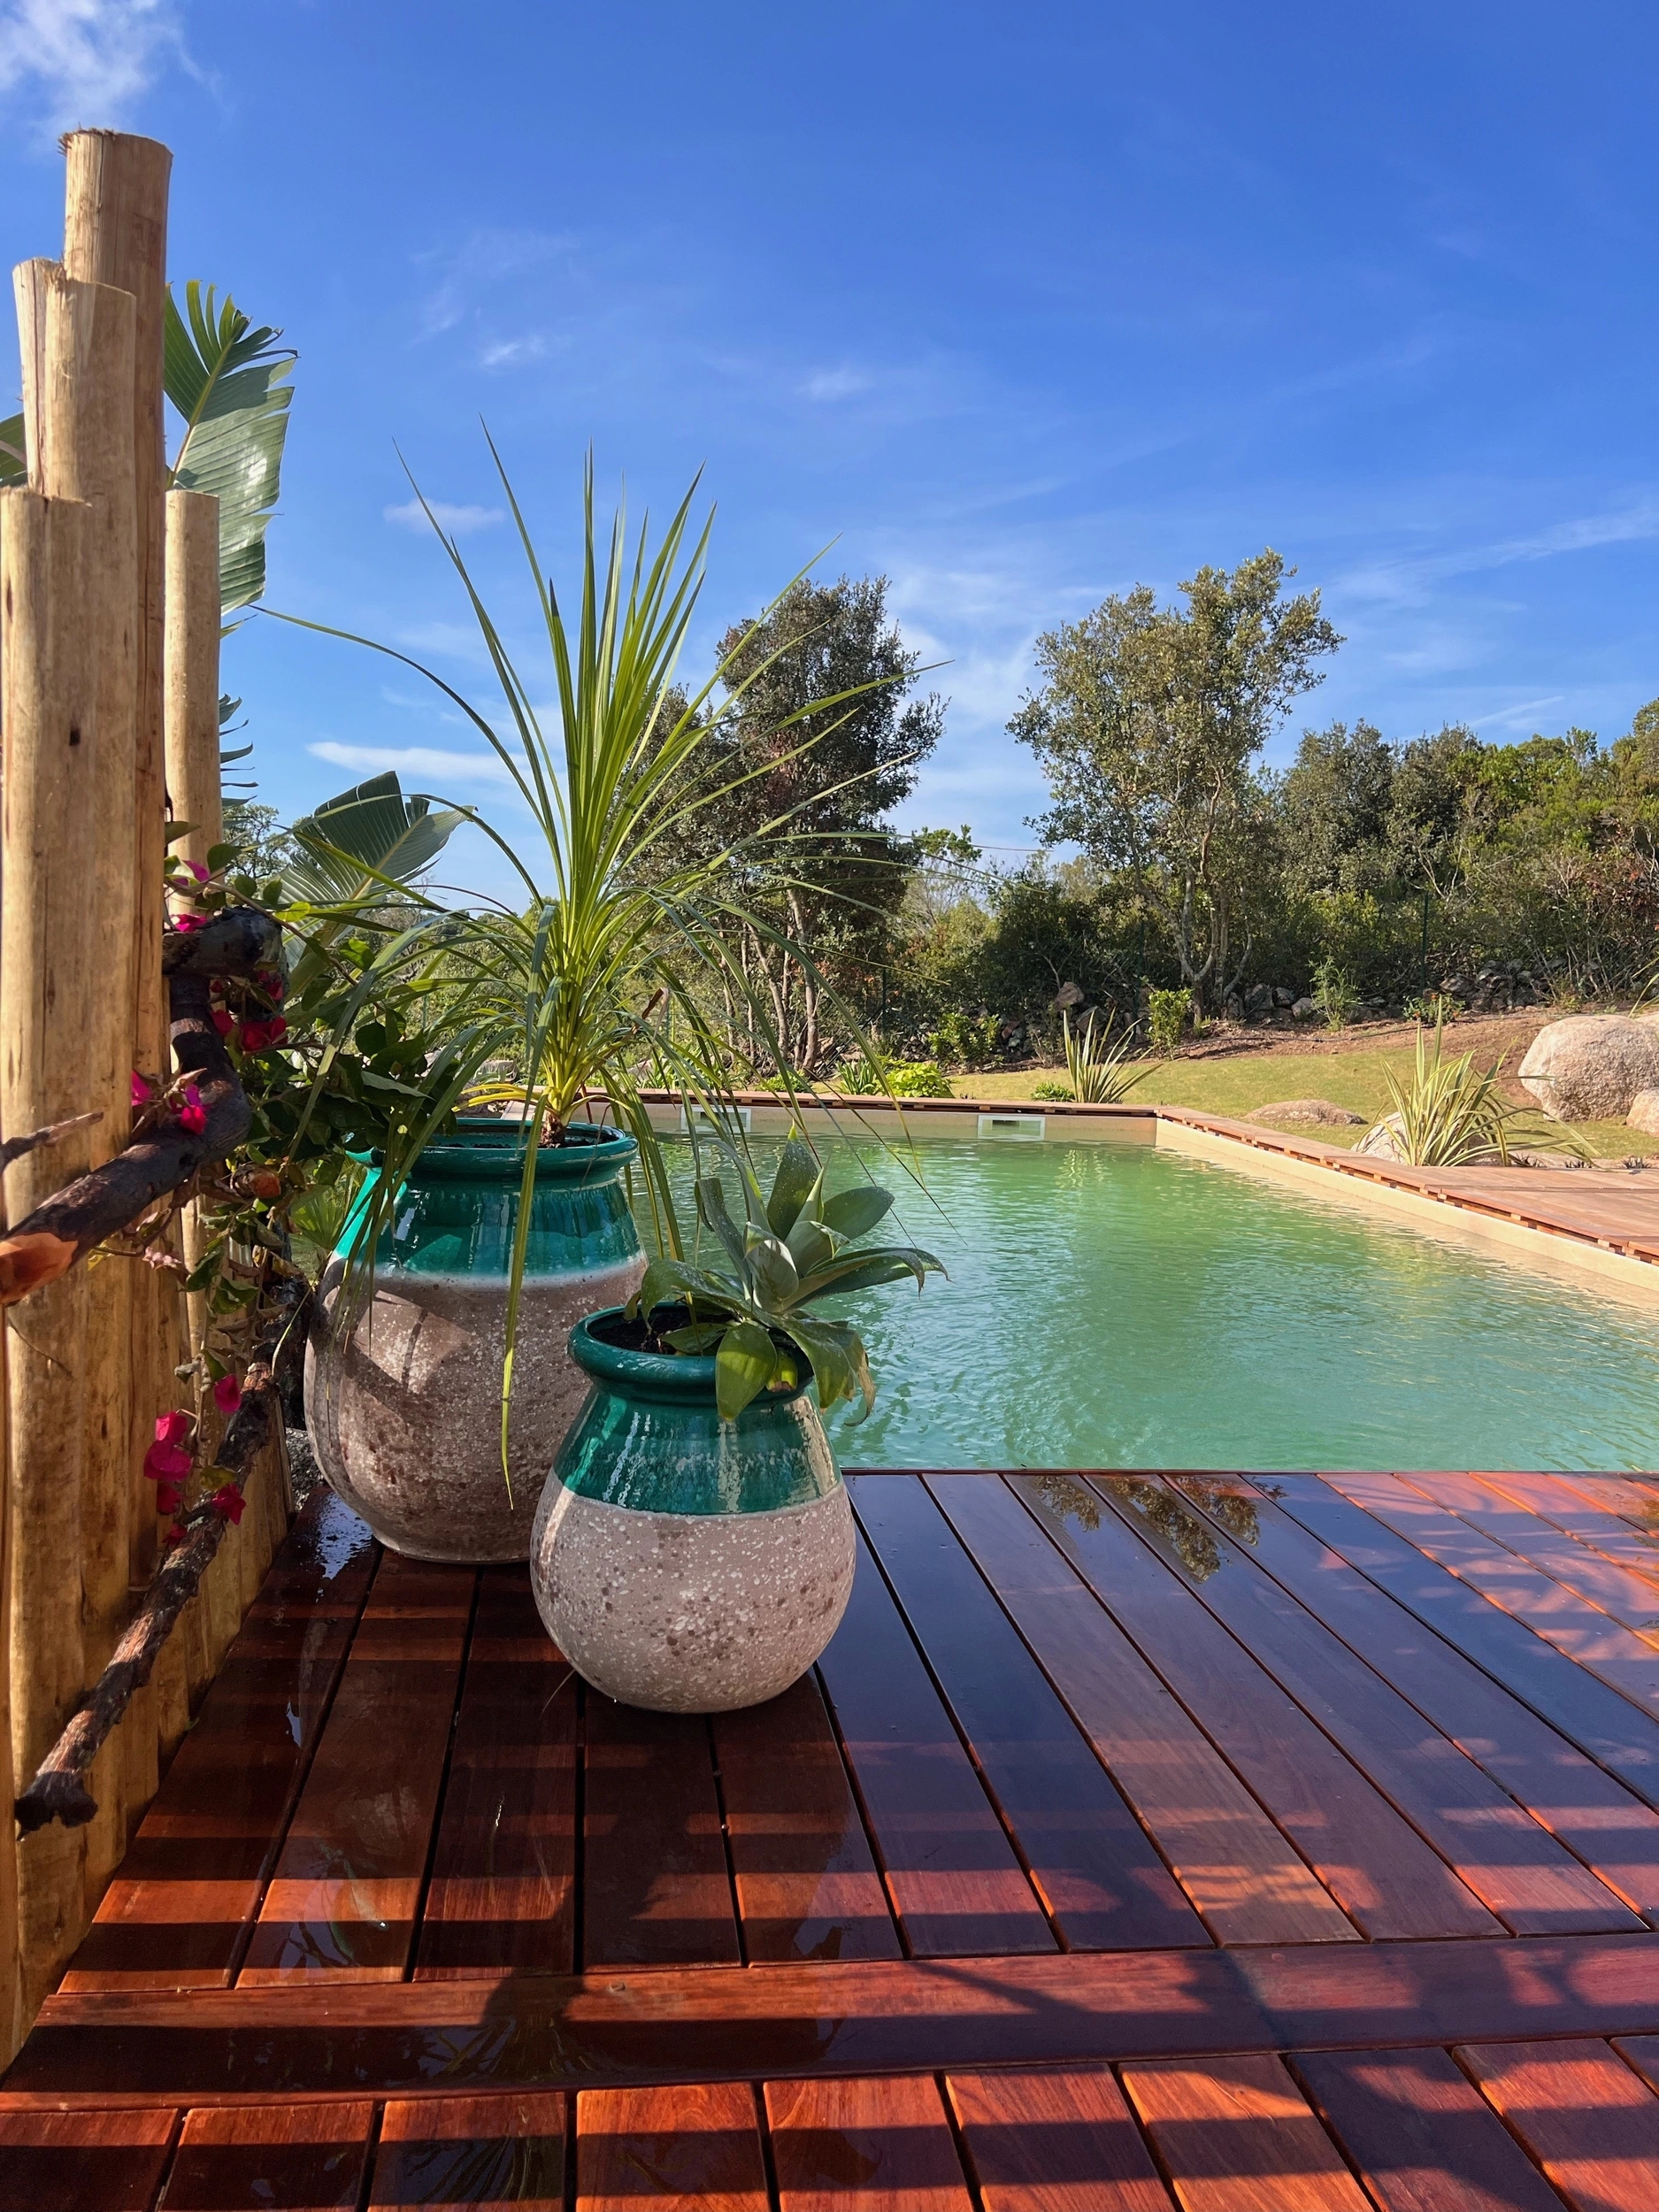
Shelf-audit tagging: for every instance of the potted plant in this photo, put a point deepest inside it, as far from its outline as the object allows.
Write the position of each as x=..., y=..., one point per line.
x=593, y=984
x=693, y=1546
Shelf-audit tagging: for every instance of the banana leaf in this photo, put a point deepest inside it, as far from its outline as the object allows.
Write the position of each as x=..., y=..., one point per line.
x=229, y=381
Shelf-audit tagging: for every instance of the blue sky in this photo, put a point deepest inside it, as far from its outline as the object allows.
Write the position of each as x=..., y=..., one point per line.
x=1017, y=305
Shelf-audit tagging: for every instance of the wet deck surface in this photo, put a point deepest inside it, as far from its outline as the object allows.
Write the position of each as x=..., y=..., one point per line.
x=1140, y=1842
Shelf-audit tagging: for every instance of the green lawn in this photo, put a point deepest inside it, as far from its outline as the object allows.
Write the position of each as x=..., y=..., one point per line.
x=1241, y=1082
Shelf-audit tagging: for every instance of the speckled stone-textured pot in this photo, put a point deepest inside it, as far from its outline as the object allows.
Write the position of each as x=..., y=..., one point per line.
x=403, y=1404
x=684, y=1562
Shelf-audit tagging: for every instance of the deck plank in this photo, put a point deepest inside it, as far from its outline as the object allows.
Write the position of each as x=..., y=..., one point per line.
x=695, y=2149
x=1572, y=1505
x=1583, y=2116
x=1104, y=1884
x=1631, y=1598
x=1236, y=1866
x=268, y=2158
x=954, y=1878
x=1376, y=1865
x=1613, y=1833
x=1512, y=1863
x=1236, y=2135
x=452, y=2153
x=656, y=1891
x=612, y=2029
x=191, y=1882
x=1422, y=2138
x=1592, y=1638
x=807, y=1884
x=1607, y=1727
x=885, y=2145
x=343, y=1900
x=70, y=2161
x=1054, y=2142
x=503, y=1892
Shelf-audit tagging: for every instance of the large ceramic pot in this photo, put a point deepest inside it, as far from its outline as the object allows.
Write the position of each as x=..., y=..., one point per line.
x=681, y=1561
x=404, y=1399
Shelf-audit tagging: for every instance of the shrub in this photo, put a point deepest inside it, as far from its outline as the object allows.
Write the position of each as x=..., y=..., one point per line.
x=966, y=1040
x=1436, y=1008
x=1101, y=1074
x=1334, y=994
x=905, y=1079
x=1060, y=1092
x=1166, y=1018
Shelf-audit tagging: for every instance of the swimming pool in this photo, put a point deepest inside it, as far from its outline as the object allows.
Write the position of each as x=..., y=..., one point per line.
x=1117, y=1304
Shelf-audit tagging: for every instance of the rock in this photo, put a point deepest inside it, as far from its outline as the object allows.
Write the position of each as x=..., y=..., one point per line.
x=1259, y=997
x=1383, y=1140
x=1067, y=996
x=1234, y=1008
x=1307, y=1113
x=1303, y=1008
x=1644, y=1112
x=1282, y=997
x=1591, y=1066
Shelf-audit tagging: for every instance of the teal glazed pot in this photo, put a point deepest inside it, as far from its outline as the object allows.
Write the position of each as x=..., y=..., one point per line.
x=683, y=1563
x=403, y=1401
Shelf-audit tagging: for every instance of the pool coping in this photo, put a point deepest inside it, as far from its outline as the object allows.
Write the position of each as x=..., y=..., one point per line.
x=1579, y=1224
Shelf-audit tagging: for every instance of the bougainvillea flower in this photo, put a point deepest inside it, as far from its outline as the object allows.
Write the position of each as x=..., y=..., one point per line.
x=168, y=1497
x=195, y=868
x=177, y=1533
x=141, y=1091
x=185, y=923
x=260, y=1036
x=230, y=1503
x=173, y=1428
x=273, y=985
x=193, y=1114
x=223, y=1021
x=227, y=1393
x=167, y=1463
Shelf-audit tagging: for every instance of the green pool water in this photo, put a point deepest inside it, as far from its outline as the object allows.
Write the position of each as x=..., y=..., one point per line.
x=1115, y=1305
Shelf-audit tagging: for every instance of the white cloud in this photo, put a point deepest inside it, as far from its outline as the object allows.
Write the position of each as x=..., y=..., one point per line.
x=836, y=384
x=512, y=353
x=425, y=764
x=458, y=521
x=1406, y=582
x=483, y=258
x=88, y=59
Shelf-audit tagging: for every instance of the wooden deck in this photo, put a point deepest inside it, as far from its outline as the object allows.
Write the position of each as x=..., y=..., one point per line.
x=1140, y=1843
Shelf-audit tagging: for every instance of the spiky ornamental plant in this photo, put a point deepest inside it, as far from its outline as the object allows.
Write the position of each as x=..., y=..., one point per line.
x=1102, y=1073
x=790, y=1251
x=598, y=987
x=1450, y=1115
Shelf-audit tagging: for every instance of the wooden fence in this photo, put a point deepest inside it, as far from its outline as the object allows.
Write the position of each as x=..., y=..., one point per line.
x=109, y=700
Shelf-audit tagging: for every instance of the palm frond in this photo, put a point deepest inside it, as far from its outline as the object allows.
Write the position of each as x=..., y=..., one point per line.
x=228, y=380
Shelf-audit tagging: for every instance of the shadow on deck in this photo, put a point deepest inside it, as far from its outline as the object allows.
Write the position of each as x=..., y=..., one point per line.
x=1138, y=1842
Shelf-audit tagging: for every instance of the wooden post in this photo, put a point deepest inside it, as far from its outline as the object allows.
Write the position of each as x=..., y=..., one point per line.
x=11, y=1956
x=77, y=342
x=115, y=231
x=46, y=1010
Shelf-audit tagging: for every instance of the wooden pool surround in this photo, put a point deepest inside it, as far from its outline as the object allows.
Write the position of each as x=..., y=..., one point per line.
x=1141, y=1842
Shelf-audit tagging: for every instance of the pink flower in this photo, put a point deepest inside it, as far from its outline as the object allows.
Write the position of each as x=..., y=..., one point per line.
x=260, y=1036
x=193, y=1114
x=177, y=1533
x=168, y=1496
x=227, y=1393
x=172, y=1428
x=185, y=923
x=167, y=1463
x=273, y=985
x=141, y=1091
x=223, y=1022
x=195, y=868
x=230, y=1503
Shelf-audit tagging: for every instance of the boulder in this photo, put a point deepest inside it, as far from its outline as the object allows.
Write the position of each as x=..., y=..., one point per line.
x=1282, y=997
x=1644, y=1112
x=1307, y=1113
x=1304, y=1009
x=1591, y=1066
x=1383, y=1140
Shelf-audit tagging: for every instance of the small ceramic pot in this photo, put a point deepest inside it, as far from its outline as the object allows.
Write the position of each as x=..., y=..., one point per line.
x=402, y=1398
x=683, y=1563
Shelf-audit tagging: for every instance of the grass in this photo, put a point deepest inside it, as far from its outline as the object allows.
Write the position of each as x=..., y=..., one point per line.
x=1241, y=1082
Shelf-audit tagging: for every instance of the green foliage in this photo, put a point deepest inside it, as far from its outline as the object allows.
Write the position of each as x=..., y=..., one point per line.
x=1334, y=994
x=1101, y=1074
x=899, y=1079
x=365, y=842
x=1450, y=1115
x=1060, y=1092
x=1436, y=1008
x=790, y=1251
x=229, y=381
x=13, y=461
x=1167, y=1013
x=967, y=1040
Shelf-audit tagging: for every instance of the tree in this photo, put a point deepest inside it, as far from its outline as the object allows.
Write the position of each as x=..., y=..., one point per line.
x=1148, y=723
x=818, y=745
x=1335, y=804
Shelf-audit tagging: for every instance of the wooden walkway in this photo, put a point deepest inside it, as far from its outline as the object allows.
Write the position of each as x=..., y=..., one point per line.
x=1140, y=1843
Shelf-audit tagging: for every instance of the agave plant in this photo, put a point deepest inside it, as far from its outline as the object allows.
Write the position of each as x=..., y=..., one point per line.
x=604, y=980
x=1451, y=1115
x=1102, y=1073
x=790, y=1251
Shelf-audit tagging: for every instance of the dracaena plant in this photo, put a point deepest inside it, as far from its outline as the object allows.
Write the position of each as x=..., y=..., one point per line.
x=790, y=1251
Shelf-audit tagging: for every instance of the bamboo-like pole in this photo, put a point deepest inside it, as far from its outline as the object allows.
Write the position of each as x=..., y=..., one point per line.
x=77, y=342
x=115, y=231
x=47, y=921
